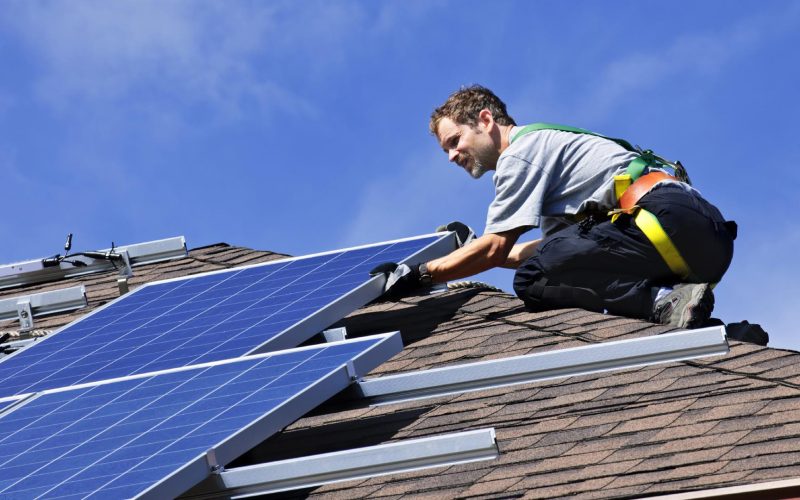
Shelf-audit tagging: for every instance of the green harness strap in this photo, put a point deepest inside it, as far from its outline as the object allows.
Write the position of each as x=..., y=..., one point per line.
x=635, y=168
x=566, y=128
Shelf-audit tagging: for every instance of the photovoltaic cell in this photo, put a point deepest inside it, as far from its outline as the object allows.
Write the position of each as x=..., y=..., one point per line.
x=150, y=434
x=209, y=317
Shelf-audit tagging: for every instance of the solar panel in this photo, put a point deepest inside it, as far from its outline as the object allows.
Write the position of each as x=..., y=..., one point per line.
x=212, y=316
x=150, y=434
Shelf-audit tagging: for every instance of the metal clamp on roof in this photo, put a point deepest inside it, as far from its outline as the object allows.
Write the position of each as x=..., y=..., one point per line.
x=213, y=464
x=335, y=334
x=27, y=306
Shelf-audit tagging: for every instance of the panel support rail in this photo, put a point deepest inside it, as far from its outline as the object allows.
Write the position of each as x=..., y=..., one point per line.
x=392, y=458
x=27, y=306
x=36, y=271
x=537, y=367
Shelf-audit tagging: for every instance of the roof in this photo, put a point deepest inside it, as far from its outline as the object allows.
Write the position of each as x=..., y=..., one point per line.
x=675, y=427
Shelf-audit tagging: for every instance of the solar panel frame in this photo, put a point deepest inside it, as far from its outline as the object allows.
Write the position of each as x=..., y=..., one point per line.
x=294, y=332
x=337, y=376
x=6, y=404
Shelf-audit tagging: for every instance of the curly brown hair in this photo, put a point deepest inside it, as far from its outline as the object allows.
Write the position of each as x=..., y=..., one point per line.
x=464, y=105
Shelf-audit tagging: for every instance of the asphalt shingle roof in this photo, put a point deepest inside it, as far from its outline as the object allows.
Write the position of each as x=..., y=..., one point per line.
x=714, y=422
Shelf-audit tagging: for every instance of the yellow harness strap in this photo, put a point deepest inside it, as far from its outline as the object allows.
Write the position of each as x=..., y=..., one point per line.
x=648, y=224
x=621, y=184
x=651, y=228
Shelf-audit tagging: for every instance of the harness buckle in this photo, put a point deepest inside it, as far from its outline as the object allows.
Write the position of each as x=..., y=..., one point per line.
x=614, y=214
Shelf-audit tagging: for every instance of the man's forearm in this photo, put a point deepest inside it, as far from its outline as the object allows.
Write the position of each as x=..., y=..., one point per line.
x=484, y=253
x=520, y=253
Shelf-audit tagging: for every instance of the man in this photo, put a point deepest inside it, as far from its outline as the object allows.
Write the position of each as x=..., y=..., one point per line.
x=566, y=181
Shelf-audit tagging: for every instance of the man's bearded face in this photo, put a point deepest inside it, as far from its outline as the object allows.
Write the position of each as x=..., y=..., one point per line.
x=468, y=146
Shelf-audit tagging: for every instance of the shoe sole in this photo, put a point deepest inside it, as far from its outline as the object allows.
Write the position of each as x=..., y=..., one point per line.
x=693, y=314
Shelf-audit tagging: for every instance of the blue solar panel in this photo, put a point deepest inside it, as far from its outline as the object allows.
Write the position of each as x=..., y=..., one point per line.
x=209, y=317
x=150, y=434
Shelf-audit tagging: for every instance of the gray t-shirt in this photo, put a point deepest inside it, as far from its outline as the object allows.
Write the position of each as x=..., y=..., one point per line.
x=547, y=174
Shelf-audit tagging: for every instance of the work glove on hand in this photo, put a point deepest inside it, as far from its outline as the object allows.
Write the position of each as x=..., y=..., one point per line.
x=464, y=233
x=401, y=279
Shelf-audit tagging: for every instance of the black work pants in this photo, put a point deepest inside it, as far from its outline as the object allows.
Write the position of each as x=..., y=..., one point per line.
x=614, y=267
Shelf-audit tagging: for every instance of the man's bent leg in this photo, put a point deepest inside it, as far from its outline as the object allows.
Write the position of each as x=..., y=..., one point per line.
x=609, y=266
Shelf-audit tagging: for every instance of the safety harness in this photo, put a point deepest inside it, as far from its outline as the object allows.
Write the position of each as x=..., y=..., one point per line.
x=629, y=189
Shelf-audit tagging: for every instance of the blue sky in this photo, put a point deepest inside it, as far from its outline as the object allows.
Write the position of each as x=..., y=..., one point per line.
x=302, y=126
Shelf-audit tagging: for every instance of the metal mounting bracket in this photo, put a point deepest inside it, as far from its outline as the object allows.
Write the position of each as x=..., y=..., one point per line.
x=213, y=463
x=126, y=271
x=351, y=371
x=335, y=334
x=122, y=285
x=25, y=314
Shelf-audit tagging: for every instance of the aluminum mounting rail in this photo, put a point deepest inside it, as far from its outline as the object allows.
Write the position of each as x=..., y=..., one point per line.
x=26, y=307
x=35, y=271
x=391, y=458
x=537, y=367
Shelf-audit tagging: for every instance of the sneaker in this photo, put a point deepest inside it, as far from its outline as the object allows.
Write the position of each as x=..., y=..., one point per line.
x=688, y=305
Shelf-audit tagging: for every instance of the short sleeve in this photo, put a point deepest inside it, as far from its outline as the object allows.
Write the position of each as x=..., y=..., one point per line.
x=520, y=187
